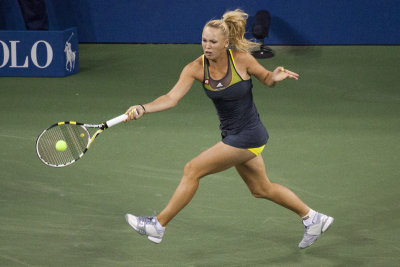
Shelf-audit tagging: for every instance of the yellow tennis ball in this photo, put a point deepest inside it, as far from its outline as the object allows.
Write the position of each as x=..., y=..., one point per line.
x=82, y=135
x=61, y=145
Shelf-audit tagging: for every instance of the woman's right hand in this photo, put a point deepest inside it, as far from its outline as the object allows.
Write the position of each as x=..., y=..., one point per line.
x=134, y=112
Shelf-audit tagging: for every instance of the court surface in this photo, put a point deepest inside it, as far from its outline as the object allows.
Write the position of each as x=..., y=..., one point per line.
x=334, y=140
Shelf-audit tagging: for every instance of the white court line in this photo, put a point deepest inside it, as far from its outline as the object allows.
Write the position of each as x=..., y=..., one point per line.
x=17, y=137
x=15, y=260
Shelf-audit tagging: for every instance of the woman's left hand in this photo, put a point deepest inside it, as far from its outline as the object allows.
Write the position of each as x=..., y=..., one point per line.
x=280, y=73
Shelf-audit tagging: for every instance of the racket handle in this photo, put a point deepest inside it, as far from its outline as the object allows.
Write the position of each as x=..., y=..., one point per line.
x=116, y=120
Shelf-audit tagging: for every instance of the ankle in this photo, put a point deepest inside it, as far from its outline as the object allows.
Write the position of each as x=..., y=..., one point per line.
x=308, y=218
x=161, y=222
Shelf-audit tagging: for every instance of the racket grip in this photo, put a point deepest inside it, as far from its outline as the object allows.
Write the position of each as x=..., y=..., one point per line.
x=116, y=120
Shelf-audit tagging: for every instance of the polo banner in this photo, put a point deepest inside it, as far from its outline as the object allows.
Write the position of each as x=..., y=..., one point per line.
x=39, y=53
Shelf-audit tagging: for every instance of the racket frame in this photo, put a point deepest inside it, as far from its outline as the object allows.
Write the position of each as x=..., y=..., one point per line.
x=101, y=127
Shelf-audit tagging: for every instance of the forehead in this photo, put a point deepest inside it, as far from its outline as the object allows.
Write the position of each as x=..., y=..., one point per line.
x=212, y=33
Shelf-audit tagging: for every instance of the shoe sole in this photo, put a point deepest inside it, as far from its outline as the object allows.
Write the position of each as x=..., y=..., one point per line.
x=327, y=224
x=131, y=225
x=325, y=228
x=153, y=239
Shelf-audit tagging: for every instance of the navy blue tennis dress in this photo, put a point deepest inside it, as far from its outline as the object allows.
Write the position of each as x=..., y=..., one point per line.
x=240, y=122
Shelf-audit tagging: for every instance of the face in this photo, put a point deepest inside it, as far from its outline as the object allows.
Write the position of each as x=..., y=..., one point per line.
x=214, y=43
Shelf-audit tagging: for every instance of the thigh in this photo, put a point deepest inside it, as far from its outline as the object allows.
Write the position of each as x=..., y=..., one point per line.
x=219, y=158
x=253, y=173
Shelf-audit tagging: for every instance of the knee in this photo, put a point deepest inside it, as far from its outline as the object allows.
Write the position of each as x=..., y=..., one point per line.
x=191, y=171
x=260, y=192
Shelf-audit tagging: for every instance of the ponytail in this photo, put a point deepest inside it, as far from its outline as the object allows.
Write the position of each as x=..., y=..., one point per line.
x=233, y=26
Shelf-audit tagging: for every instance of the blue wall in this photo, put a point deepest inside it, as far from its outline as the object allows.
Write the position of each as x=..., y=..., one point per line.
x=181, y=21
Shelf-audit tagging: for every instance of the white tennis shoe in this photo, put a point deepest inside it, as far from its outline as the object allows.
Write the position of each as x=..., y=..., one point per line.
x=146, y=226
x=321, y=223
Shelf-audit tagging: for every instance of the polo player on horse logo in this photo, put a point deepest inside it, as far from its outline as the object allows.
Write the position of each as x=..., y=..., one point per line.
x=70, y=55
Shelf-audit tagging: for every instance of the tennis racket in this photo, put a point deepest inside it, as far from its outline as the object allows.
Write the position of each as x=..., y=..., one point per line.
x=76, y=137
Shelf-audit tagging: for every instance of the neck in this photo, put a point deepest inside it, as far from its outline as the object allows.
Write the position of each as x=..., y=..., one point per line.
x=219, y=61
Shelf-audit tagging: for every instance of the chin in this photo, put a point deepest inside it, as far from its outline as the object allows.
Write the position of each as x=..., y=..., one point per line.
x=211, y=57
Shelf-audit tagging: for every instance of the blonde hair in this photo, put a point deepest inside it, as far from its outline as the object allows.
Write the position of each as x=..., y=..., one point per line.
x=233, y=26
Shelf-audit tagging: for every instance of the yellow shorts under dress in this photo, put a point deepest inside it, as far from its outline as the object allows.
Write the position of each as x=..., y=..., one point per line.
x=253, y=138
x=257, y=150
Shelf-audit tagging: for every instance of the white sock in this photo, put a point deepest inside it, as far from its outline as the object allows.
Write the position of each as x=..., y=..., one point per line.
x=159, y=226
x=308, y=219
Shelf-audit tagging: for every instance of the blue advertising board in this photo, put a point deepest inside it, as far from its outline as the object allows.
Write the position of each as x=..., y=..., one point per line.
x=39, y=53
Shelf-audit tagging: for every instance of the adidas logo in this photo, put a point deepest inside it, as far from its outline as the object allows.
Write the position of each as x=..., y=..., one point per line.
x=219, y=85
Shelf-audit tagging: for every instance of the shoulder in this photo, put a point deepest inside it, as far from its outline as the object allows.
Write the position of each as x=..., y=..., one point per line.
x=242, y=58
x=196, y=64
x=194, y=69
x=245, y=64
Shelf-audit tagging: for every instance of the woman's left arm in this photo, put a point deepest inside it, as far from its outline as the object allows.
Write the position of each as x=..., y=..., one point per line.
x=265, y=76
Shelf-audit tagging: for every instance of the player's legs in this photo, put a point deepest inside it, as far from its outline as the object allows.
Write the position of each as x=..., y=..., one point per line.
x=215, y=159
x=254, y=175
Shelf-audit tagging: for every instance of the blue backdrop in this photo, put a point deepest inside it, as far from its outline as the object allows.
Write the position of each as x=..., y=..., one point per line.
x=181, y=21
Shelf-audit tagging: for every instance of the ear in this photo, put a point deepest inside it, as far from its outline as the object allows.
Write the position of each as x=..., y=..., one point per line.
x=226, y=43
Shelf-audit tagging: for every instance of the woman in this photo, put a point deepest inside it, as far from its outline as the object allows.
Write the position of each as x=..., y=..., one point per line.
x=225, y=71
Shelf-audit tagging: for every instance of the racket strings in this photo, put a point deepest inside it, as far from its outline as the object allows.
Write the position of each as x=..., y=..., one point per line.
x=76, y=138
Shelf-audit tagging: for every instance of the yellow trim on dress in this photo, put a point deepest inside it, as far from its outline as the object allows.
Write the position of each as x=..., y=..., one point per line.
x=235, y=75
x=257, y=150
x=233, y=61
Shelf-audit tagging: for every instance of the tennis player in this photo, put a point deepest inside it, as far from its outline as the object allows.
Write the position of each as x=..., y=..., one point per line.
x=225, y=70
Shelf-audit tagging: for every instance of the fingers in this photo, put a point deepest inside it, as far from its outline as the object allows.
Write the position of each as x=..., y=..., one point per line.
x=134, y=113
x=130, y=112
x=290, y=74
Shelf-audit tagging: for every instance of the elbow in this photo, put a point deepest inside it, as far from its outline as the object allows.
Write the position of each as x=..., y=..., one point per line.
x=172, y=102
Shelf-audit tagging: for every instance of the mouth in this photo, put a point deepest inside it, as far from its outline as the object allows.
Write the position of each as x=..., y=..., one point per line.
x=207, y=53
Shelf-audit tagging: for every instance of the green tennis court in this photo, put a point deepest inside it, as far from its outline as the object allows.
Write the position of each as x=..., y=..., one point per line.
x=334, y=140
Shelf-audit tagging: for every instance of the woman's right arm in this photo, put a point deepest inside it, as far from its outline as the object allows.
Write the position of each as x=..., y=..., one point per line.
x=191, y=72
